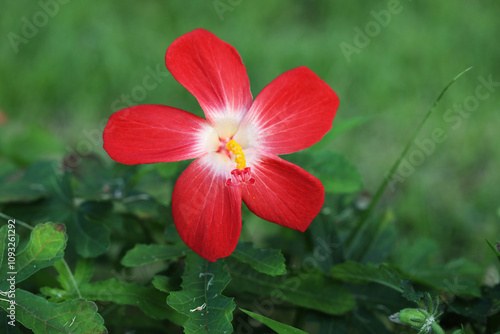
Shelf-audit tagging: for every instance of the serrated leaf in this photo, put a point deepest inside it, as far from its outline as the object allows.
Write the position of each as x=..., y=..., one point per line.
x=201, y=298
x=42, y=317
x=266, y=261
x=277, y=326
x=308, y=288
x=355, y=272
x=337, y=174
x=144, y=254
x=45, y=247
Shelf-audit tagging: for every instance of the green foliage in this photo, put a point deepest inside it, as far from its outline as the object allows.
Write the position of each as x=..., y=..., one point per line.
x=278, y=327
x=266, y=261
x=87, y=224
x=303, y=287
x=84, y=221
x=355, y=272
x=201, y=298
x=46, y=246
x=174, y=287
x=458, y=276
x=76, y=316
x=121, y=250
x=149, y=300
x=144, y=254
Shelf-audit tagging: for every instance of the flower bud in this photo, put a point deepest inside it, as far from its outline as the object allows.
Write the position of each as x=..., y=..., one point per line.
x=410, y=316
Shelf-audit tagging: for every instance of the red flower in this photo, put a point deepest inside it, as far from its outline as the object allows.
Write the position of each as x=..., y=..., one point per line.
x=235, y=147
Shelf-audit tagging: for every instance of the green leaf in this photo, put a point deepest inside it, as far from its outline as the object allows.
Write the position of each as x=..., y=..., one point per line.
x=372, y=295
x=201, y=298
x=45, y=247
x=8, y=239
x=42, y=317
x=86, y=224
x=154, y=184
x=354, y=272
x=337, y=174
x=163, y=283
x=149, y=300
x=328, y=249
x=69, y=282
x=278, y=327
x=144, y=254
x=306, y=287
x=92, y=179
x=86, y=231
x=266, y=261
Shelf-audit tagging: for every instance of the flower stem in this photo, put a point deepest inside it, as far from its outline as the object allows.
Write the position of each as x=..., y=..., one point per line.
x=436, y=329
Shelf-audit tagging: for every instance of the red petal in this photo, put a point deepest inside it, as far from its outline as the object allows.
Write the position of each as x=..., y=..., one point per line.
x=207, y=213
x=293, y=112
x=283, y=193
x=152, y=133
x=213, y=72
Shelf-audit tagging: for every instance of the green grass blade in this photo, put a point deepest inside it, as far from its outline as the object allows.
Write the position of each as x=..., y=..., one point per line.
x=385, y=182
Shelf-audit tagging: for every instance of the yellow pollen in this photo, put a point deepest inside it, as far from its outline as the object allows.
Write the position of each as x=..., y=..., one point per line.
x=239, y=158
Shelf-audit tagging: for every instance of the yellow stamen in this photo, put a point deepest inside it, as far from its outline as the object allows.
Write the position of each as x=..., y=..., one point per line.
x=239, y=158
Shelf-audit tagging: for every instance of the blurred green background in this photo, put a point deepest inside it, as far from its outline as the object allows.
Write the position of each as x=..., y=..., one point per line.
x=66, y=65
